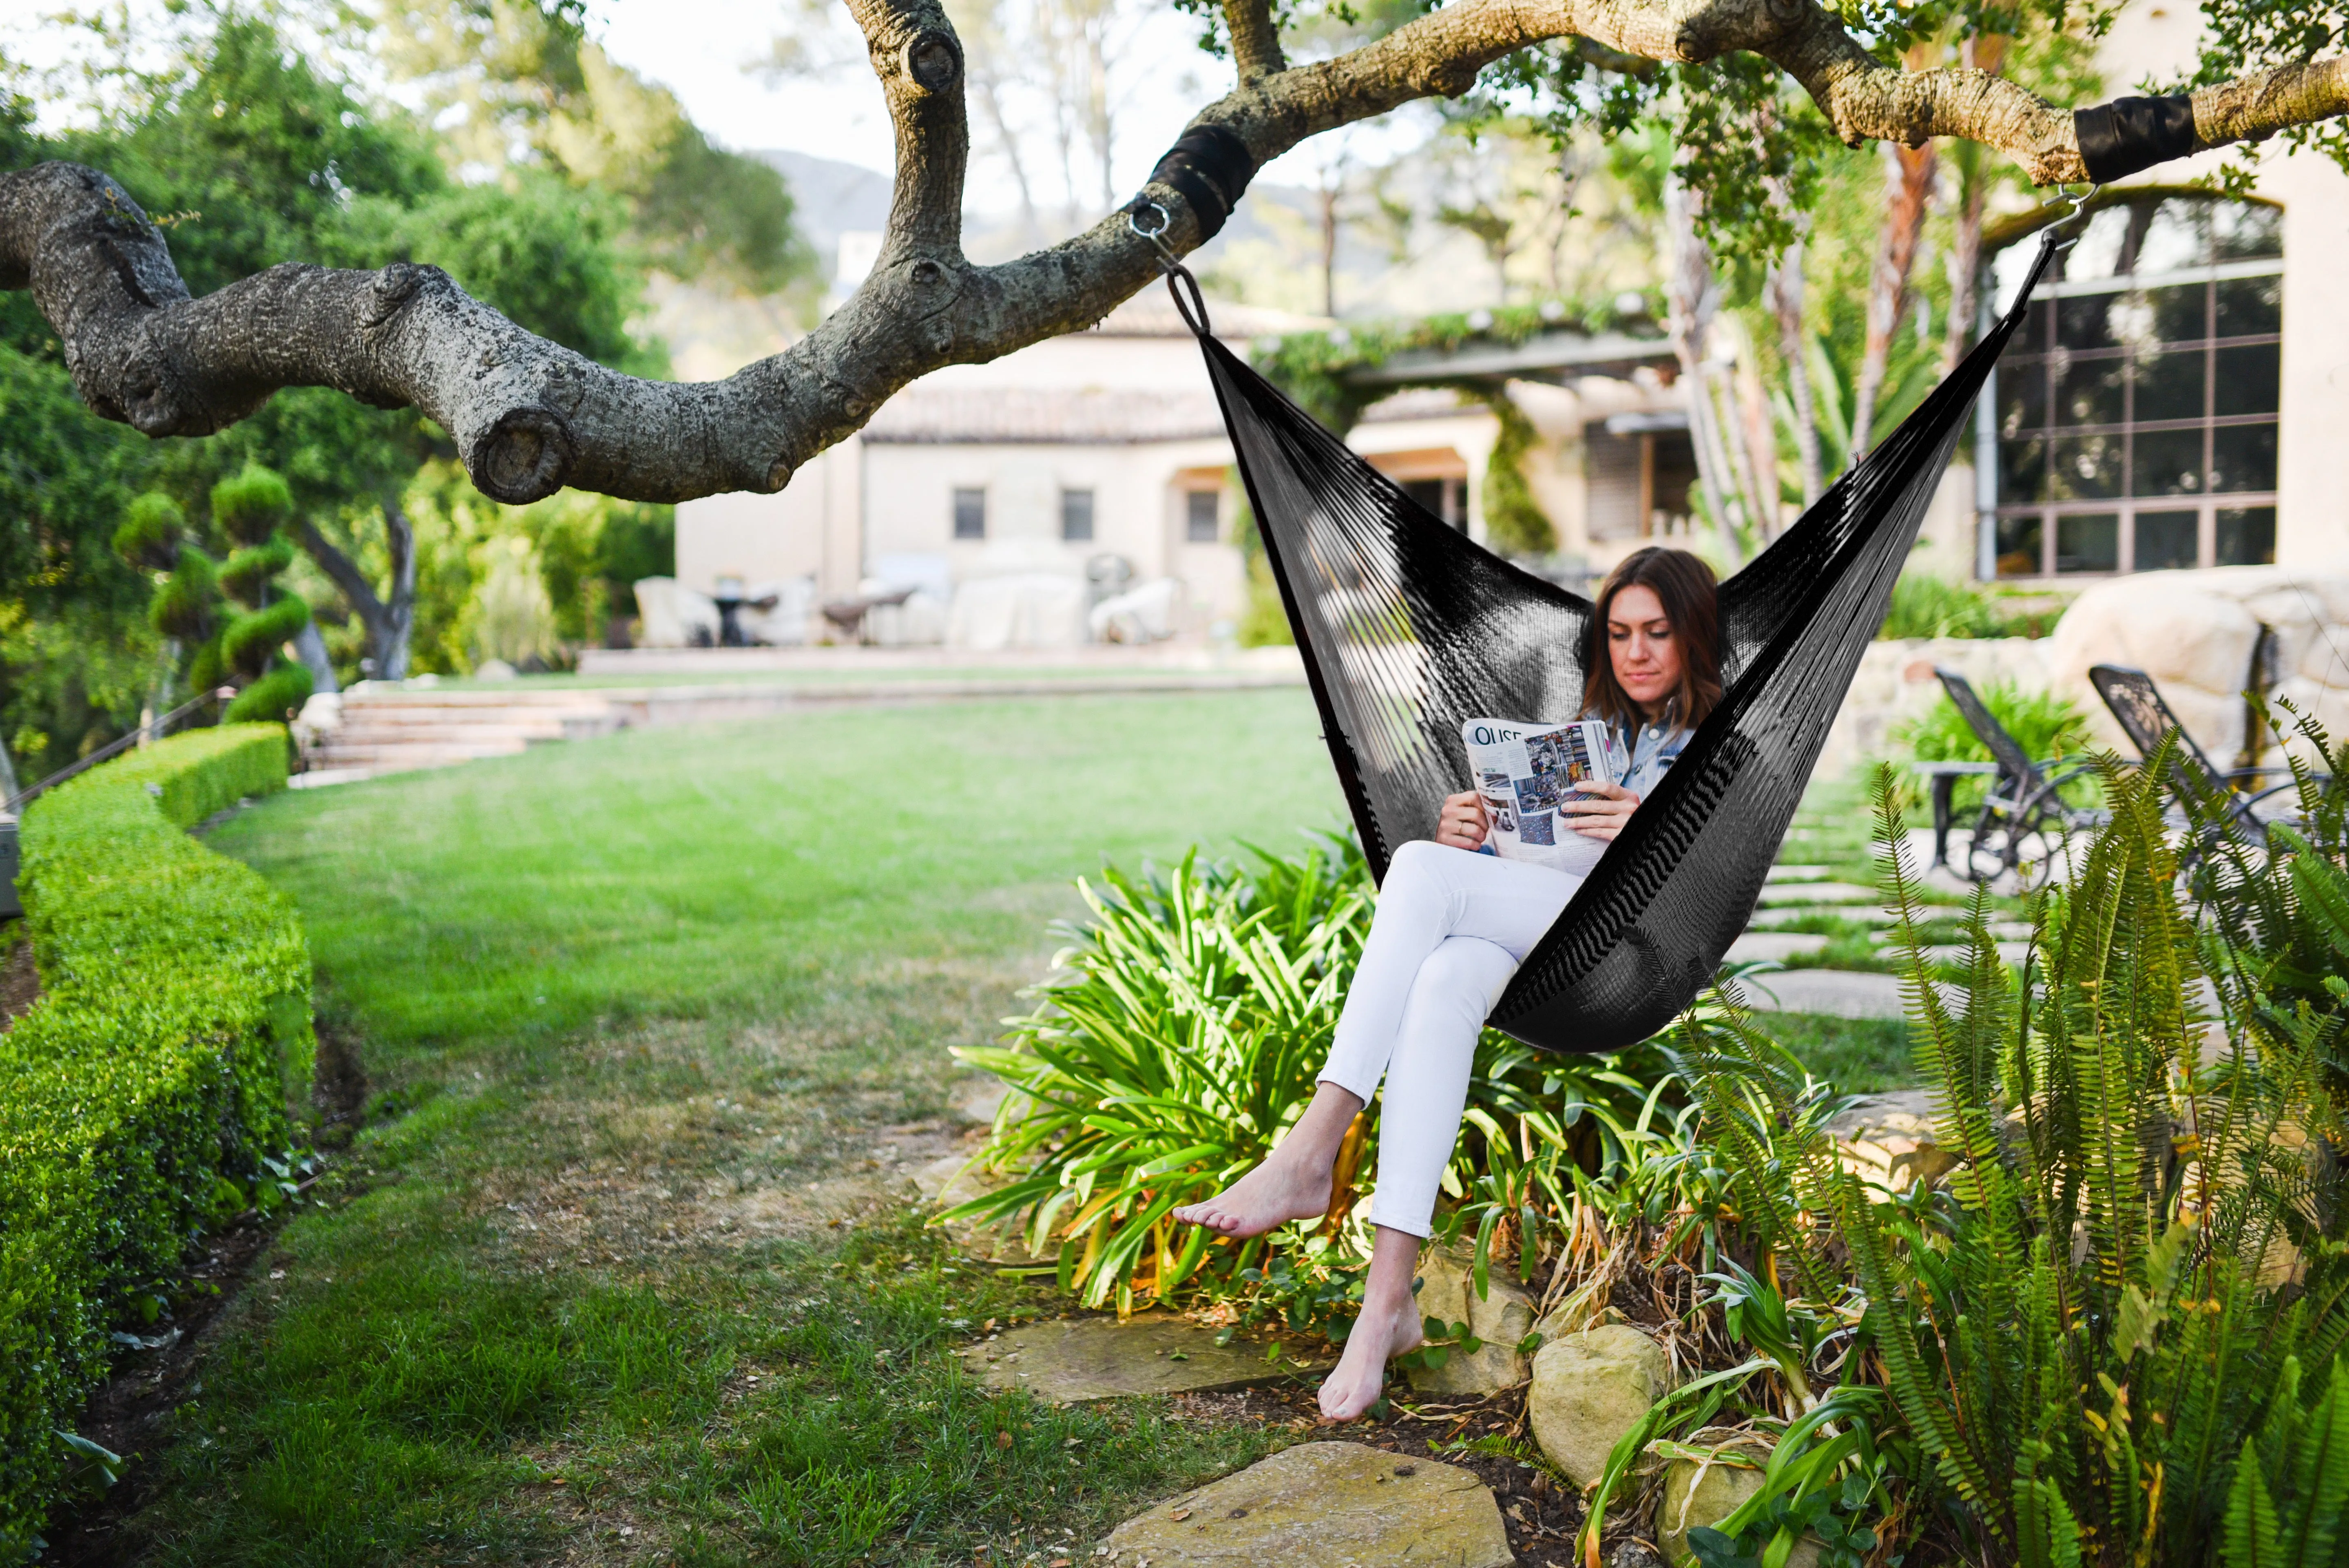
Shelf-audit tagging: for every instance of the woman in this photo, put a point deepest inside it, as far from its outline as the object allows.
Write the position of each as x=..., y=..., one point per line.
x=1453, y=925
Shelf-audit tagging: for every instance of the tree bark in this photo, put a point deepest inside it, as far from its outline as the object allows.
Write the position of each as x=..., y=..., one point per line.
x=528, y=417
x=388, y=622
x=1690, y=296
x=1783, y=291
x=1910, y=173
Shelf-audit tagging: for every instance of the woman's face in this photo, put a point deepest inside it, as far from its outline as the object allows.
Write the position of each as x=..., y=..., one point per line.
x=1642, y=648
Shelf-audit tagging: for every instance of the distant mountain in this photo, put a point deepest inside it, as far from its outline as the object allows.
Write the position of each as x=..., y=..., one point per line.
x=832, y=198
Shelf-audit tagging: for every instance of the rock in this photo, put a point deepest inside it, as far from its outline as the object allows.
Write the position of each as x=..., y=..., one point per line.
x=1321, y=1505
x=1501, y=1318
x=1076, y=1360
x=1778, y=945
x=1589, y=1389
x=1844, y=993
x=1819, y=892
x=2194, y=632
x=1706, y=1494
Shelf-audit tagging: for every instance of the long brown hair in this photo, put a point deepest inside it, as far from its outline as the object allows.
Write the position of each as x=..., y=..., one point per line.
x=1684, y=585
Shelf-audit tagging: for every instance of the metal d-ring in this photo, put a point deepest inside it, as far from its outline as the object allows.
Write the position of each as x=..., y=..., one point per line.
x=1167, y=259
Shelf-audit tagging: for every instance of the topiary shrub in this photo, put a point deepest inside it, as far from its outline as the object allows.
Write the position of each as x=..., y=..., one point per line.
x=229, y=617
x=146, y=1085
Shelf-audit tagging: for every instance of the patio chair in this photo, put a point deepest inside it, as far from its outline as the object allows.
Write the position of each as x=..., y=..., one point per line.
x=2136, y=703
x=2025, y=824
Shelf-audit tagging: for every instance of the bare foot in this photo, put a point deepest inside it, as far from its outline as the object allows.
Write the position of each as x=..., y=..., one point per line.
x=1272, y=1194
x=1361, y=1371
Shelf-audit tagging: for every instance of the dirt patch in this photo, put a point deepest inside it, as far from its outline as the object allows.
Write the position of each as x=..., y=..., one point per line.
x=20, y=982
x=338, y=1087
x=159, y=1361
x=128, y=1414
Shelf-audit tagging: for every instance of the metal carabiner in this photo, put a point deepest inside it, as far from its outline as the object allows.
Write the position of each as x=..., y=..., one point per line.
x=1168, y=261
x=2075, y=221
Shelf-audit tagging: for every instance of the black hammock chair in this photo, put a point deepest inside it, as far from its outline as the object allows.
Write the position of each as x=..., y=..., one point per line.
x=1408, y=627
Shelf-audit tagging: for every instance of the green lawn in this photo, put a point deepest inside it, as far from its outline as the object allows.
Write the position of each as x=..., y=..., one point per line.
x=654, y=1024
x=609, y=1283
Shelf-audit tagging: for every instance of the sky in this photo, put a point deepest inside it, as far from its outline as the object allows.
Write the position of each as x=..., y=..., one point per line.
x=697, y=48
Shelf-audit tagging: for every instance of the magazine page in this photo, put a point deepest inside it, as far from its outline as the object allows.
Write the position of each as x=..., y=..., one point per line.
x=1523, y=773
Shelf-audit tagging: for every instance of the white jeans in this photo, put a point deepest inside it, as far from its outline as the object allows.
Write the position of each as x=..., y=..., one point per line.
x=1452, y=927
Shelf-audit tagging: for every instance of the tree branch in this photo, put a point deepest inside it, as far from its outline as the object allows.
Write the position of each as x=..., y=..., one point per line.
x=1255, y=42
x=529, y=417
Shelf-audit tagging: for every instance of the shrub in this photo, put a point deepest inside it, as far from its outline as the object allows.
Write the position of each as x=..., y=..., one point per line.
x=146, y=1086
x=2045, y=724
x=1180, y=1040
x=2084, y=1339
x=1925, y=606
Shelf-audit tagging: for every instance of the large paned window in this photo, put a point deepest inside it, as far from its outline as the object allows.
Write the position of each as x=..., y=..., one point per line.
x=2135, y=415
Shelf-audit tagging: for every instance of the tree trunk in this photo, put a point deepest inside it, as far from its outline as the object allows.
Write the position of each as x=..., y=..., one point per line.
x=310, y=647
x=1987, y=54
x=1784, y=293
x=1909, y=191
x=388, y=623
x=1690, y=296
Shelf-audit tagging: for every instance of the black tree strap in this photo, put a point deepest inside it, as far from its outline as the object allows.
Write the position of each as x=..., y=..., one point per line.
x=1210, y=166
x=2120, y=138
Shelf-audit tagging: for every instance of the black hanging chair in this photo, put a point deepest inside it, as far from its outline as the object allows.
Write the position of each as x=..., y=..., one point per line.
x=1408, y=627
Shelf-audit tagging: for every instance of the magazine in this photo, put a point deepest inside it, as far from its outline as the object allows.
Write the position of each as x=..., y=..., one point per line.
x=1523, y=772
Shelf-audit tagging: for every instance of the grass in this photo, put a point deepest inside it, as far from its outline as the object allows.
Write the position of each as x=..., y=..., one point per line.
x=655, y=1026
x=614, y=1274
x=1862, y=1056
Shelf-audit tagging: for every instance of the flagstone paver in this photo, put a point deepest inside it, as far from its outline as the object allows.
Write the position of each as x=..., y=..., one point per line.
x=1076, y=1360
x=1321, y=1505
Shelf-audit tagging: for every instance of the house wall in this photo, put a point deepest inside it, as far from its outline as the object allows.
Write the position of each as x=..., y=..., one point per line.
x=1137, y=511
x=2157, y=39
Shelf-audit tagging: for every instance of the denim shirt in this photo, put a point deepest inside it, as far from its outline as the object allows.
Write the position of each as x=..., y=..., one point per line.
x=1644, y=753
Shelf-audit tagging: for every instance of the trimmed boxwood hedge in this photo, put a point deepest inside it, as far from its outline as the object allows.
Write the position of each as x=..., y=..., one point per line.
x=138, y=1097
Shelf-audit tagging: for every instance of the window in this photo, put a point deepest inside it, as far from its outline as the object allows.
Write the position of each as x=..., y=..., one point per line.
x=970, y=514
x=1076, y=515
x=1444, y=499
x=1201, y=523
x=2134, y=419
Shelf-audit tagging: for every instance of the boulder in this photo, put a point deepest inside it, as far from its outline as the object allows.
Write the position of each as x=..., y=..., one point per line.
x=1321, y=1505
x=1076, y=1360
x=1501, y=1317
x=1699, y=1493
x=1589, y=1390
x=2196, y=633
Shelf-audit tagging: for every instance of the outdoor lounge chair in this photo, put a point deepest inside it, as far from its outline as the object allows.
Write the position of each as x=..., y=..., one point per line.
x=2136, y=703
x=2024, y=823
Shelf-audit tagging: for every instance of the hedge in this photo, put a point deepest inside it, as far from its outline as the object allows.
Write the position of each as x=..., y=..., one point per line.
x=138, y=1097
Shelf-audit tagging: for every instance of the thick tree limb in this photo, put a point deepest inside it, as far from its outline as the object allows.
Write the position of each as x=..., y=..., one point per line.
x=528, y=417
x=1255, y=42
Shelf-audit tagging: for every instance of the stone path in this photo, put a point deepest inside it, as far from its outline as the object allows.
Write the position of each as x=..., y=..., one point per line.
x=1321, y=1505
x=1780, y=945
x=1842, y=993
x=1076, y=1360
x=1774, y=893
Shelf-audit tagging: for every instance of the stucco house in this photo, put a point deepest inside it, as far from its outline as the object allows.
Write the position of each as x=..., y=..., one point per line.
x=1103, y=450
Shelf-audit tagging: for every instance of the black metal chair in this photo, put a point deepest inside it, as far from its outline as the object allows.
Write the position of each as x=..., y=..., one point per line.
x=2025, y=824
x=2136, y=703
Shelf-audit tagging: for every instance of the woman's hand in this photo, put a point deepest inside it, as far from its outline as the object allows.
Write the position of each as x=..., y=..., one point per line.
x=1463, y=824
x=1599, y=811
